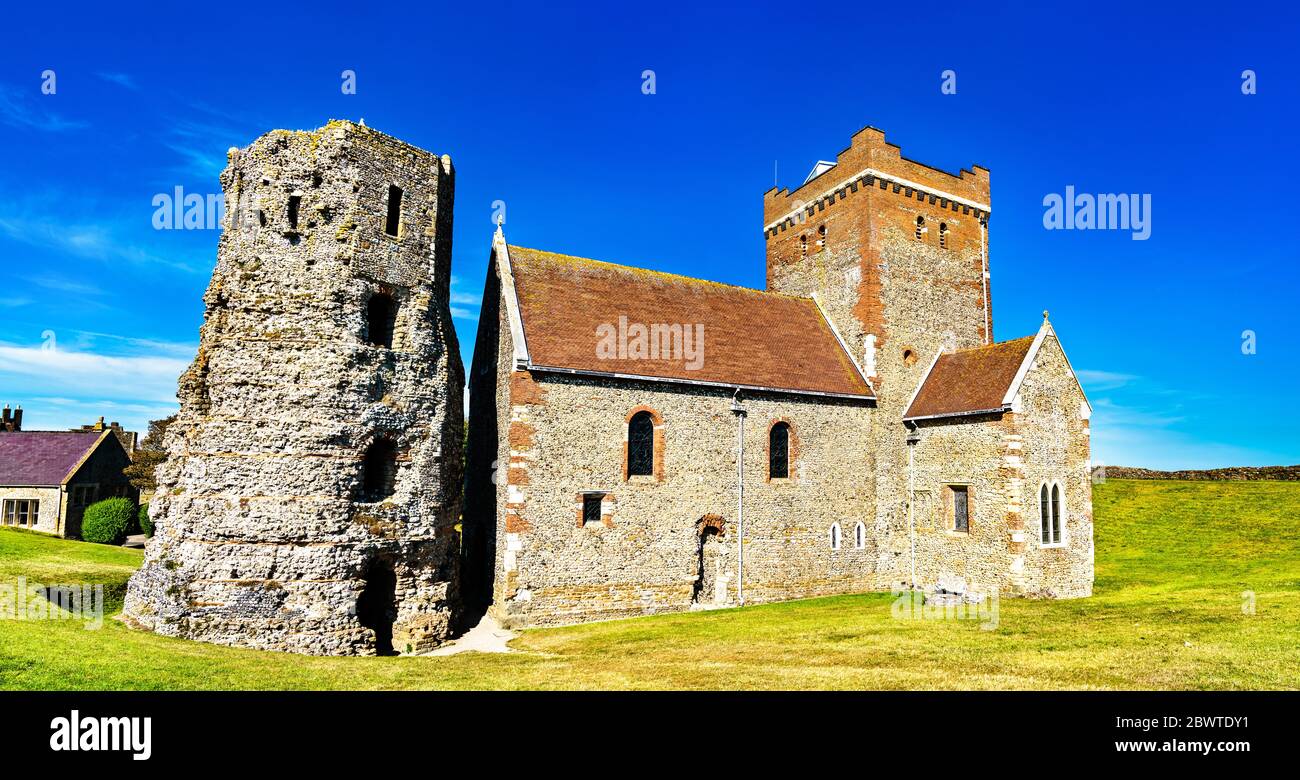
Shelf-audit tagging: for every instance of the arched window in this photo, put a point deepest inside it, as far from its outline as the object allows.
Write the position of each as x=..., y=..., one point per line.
x=378, y=471
x=920, y=227
x=821, y=238
x=641, y=444
x=778, y=451
x=1044, y=515
x=943, y=235
x=1056, y=514
x=1049, y=513
x=835, y=536
x=859, y=535
x=381, y=317
x=803, y=245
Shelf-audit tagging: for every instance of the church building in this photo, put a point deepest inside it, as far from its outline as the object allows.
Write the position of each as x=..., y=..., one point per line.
x=642, y=442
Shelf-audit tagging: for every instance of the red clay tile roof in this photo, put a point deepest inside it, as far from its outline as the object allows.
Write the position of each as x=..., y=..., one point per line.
x=42, y=457
x=751, y=338
x=970, y=380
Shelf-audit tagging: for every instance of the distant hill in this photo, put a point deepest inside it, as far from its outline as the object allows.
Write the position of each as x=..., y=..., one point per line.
x=1229, y=474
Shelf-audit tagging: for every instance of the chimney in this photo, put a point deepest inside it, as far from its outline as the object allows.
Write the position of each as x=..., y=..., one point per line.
x=11, y=420
x=18, y=419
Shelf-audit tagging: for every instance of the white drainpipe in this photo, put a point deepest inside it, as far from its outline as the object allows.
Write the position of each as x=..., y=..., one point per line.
x=740, y=412
x=913, y=436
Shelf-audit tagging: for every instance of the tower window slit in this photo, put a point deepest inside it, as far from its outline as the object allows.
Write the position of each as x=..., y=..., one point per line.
x=394, y=211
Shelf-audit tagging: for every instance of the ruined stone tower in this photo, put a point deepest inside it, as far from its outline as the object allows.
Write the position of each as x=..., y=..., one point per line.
x=311, y=494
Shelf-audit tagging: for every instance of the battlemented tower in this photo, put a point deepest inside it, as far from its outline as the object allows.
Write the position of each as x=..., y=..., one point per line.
x=897, y=254
x=311, y=494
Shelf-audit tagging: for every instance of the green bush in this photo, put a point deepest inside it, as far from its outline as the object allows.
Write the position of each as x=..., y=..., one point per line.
x=146, y=525
x=108, y=521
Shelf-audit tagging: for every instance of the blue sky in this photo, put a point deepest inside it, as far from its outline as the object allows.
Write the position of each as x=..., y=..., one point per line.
x=542, y=107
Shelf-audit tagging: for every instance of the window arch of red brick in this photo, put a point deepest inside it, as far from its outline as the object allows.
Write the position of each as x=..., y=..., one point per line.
x=792, y=451
x=658, y=420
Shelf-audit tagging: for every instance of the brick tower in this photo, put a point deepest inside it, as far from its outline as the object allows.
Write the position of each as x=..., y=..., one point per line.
x=896, y=253
x=311, y=492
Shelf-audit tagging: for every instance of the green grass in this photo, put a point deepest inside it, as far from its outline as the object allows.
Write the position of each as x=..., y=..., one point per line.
x=1173, y=559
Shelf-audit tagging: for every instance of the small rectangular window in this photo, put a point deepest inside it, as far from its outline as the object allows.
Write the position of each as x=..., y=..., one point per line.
x=394, y=211
x=22, y=512
x=294, y=202
x=83, y=495
x=591, y=508
x=960, y=508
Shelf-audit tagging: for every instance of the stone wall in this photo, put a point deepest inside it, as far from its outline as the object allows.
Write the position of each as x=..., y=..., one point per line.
x=568, y=437
x=49, y=511
x=1229, y=473
x=264, y=537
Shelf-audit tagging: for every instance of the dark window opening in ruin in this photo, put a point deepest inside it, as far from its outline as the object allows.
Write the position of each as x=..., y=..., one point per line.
x=909, y=357
x=641, y=445
x=778, y=451
x=378, y=471
x=294, y=202
x=960, y=508
x=591, y=508
x=394, y=211
x=381, y=319
x=943, y=235
x=377, y=605
x=261, y=218
x=920, y=227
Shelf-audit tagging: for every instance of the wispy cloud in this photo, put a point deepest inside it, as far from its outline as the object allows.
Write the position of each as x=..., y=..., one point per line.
x=32, y=221
x=60, y=284
x=69, y=374
x=18, y=109
x=464, y=298
x=1094, y=380
x=120, y=79
x=202, y=145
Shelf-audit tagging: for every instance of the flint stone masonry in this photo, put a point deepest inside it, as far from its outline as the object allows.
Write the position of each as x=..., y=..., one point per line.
x=264, y=537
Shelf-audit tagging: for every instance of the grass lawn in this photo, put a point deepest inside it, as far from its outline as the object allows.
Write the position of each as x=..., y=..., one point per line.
x=1173, y=561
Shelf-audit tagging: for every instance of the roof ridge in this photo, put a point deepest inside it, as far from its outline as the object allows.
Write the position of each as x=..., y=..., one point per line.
x=669, y=274
x=994, y=344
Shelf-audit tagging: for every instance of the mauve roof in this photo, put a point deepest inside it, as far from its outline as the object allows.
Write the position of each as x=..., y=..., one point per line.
x=42, y=457
x=970, y=380
x=751, y=338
